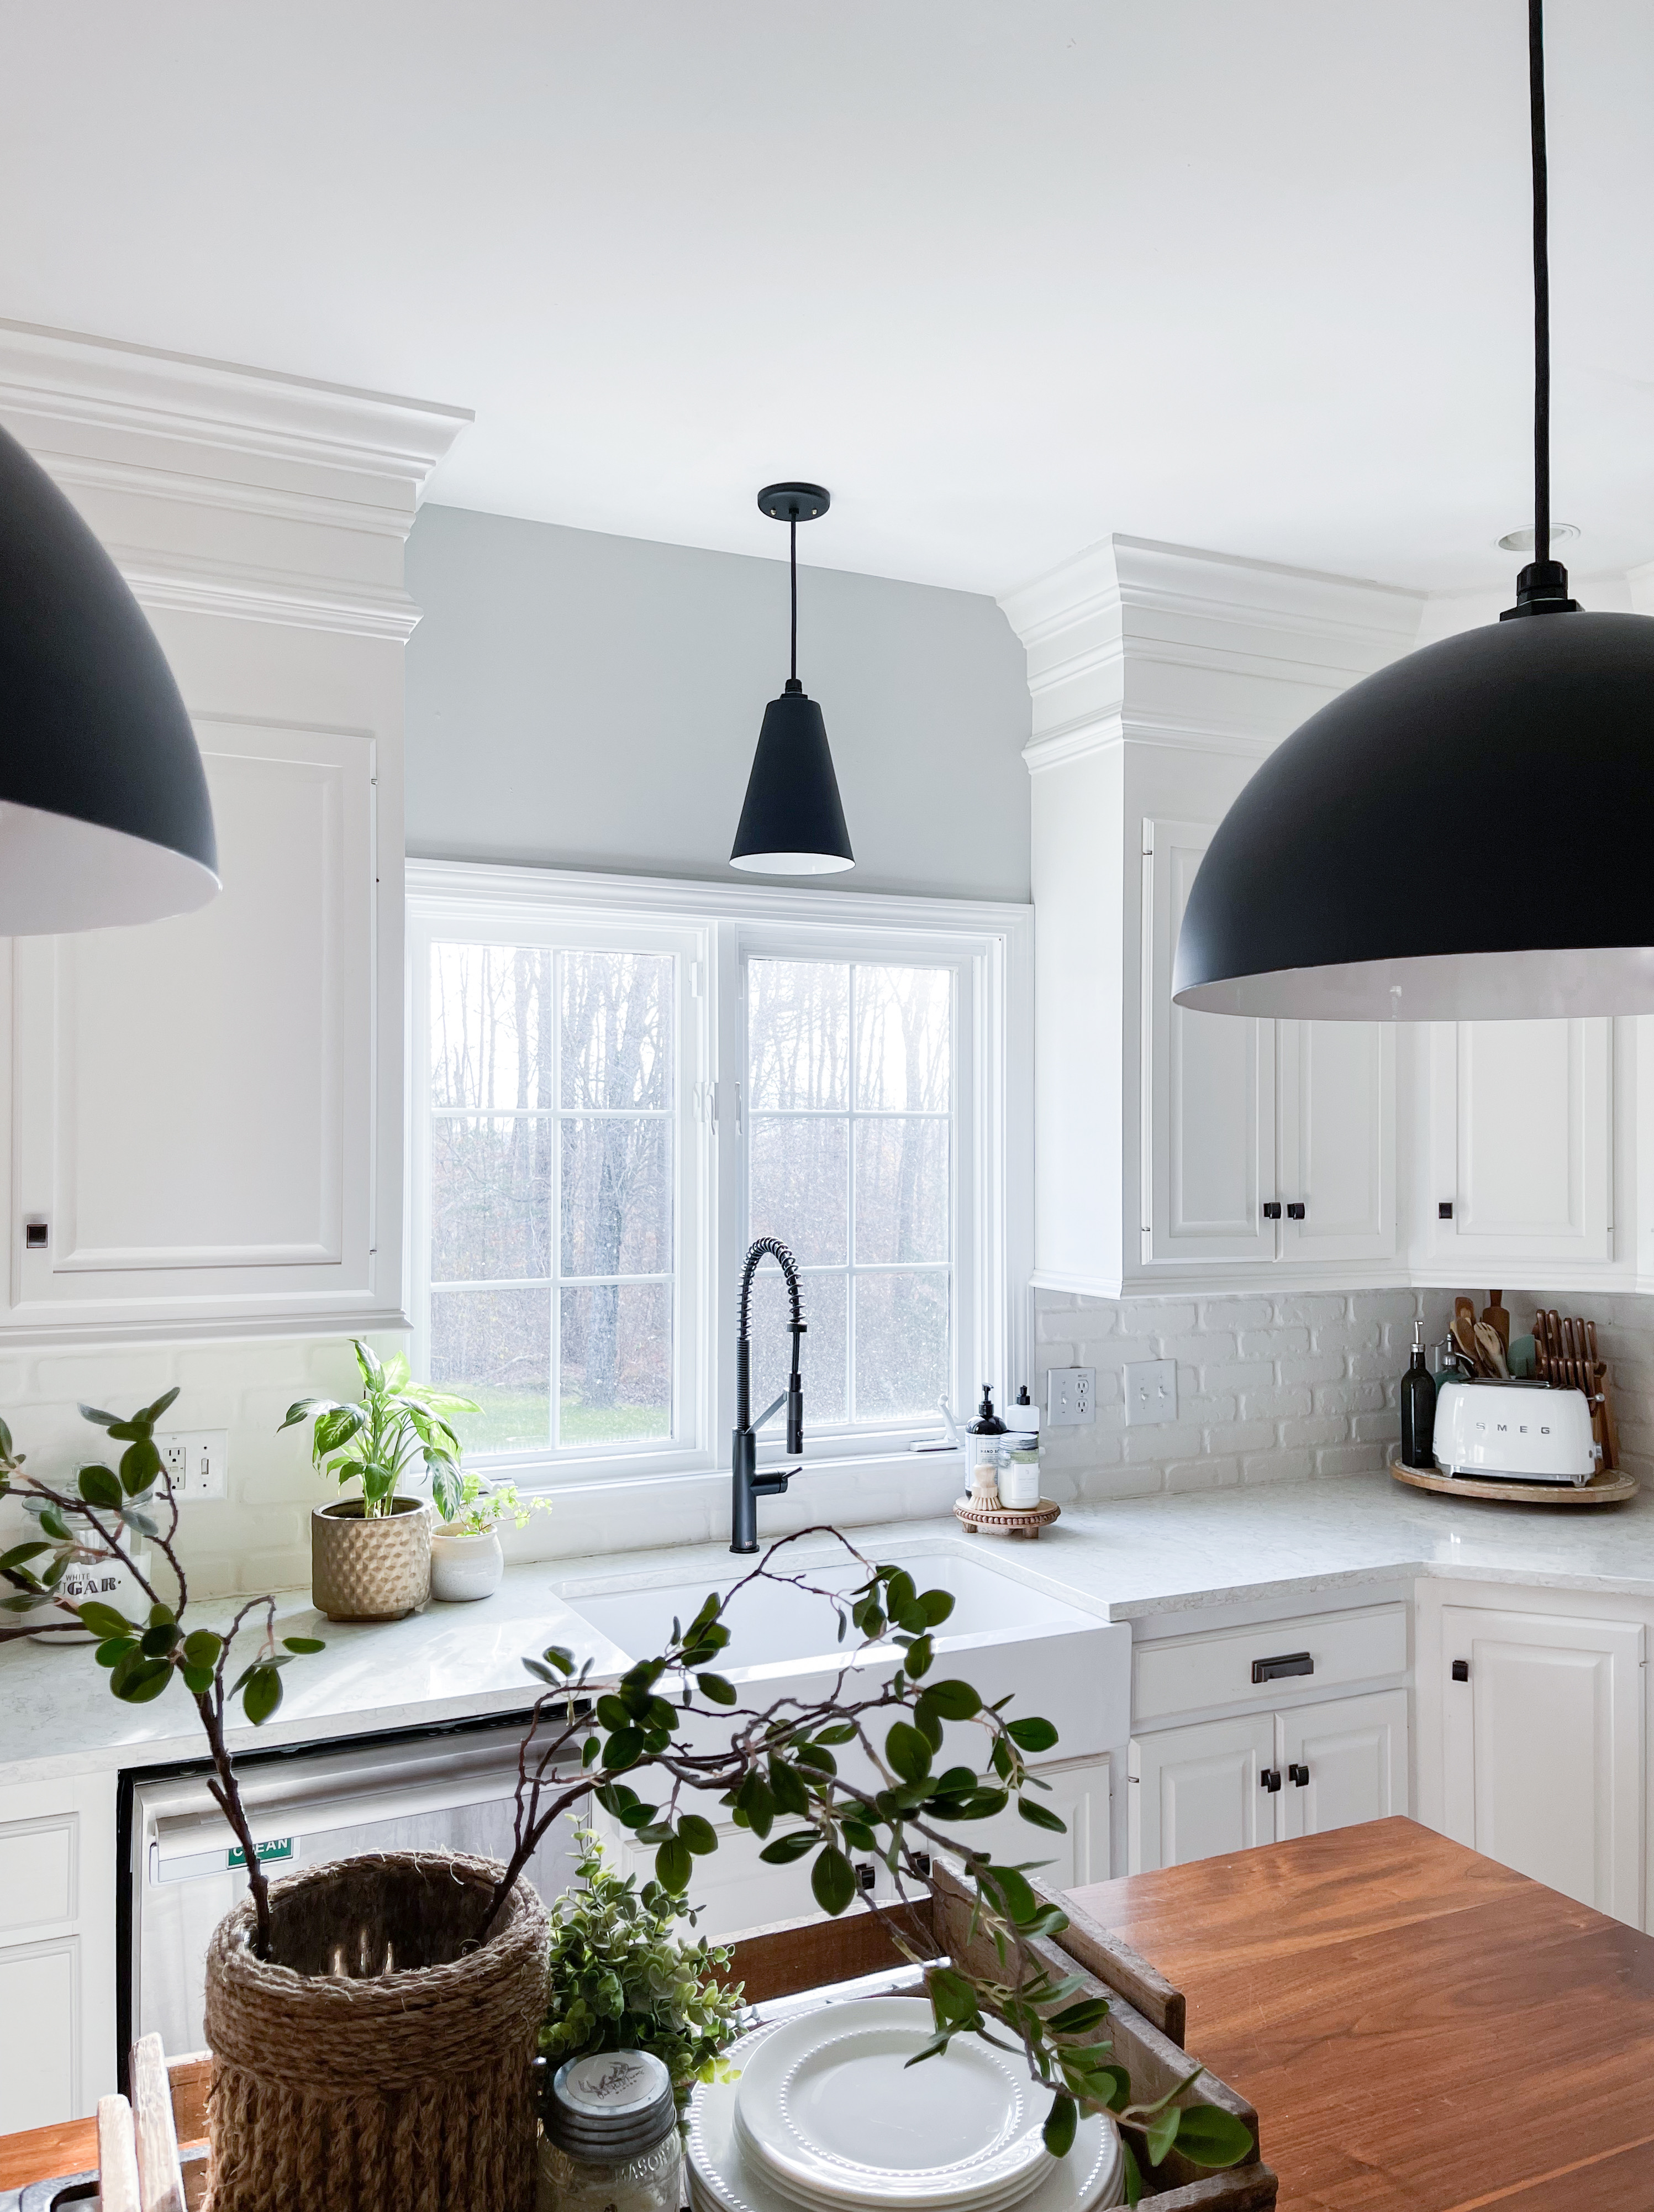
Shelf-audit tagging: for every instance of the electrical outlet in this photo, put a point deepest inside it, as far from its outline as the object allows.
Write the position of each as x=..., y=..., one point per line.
x=1151, y=1391
x=197, y=1460
x=1073, y=1396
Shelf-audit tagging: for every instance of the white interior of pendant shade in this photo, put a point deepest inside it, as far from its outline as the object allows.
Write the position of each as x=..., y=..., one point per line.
x=57, y=873
x=792, y=863
x=1445, y=986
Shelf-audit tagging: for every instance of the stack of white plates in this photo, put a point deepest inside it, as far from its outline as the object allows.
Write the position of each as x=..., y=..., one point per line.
x=827, y=2117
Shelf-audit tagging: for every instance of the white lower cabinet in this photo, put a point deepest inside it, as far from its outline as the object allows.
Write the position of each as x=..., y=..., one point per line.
x=733, y=1891
x=1224, y=1785
x=57, y=1950
x=1542, y=1722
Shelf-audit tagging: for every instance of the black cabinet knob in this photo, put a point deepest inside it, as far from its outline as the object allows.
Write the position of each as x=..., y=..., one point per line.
x=1272, y=1209
x=1295, y=1213
x=1461, y=1670
x=1444, y=1210
x=1300, y=1777
x=1270, y=1779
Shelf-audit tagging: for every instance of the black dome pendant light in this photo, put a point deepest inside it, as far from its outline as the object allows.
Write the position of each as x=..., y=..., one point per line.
x=104, y=812
x=792, y=823
x=1324, y=894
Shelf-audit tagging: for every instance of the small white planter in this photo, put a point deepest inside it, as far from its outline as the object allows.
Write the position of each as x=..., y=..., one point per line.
x=465, y=1567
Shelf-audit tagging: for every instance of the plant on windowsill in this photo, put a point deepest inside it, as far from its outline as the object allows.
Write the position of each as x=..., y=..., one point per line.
x=369, y=1557
x=467, y=1561
x=373, y=2022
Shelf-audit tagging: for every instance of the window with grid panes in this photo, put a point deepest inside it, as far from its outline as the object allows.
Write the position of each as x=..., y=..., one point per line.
x=848, y=1145
x=553, y=1162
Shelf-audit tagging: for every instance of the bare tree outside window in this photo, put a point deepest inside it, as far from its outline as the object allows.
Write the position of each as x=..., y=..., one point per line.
x=851, y=1088
x=553, y=1188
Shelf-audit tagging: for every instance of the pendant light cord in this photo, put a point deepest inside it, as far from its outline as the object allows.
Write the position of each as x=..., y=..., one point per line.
x=792, y=537
x=1542, y=288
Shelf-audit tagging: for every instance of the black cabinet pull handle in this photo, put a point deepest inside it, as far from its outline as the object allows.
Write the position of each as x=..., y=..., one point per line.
x=1295, y=1213
x=1300, y=1776
x=1288, y=1662
x=1272, y=1209
x=1444, y=1210
x=1461, y=1670
x=1270, y=1779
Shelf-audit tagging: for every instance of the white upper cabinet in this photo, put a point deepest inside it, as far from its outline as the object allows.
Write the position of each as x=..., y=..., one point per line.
x=1267, y=1141
x=1521, y=1144
x=1180, y=1150
x=205, y=1113
x=1209, y=1104
x=1337, y=1121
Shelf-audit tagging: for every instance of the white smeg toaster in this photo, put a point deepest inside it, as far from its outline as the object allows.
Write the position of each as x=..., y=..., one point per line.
x=1527, y=1431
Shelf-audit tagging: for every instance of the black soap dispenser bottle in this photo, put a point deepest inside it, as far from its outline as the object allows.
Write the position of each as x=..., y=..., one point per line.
x=1418, y=1408
x=986, y=1435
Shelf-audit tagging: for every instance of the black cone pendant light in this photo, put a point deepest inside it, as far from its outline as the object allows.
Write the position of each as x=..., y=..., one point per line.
x=104, y=812
x=1327, y=892
x=792, y=823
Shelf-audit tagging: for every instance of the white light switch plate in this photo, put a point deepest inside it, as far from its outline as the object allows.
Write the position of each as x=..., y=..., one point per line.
x=197, y=1460
x=1072, y=1396
x=1151, y=1391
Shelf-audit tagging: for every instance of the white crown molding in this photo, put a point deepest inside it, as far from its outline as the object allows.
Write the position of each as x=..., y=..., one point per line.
x=1118, y=573
x=443, y=886
x=226, y=588
x=1101, y=733
x=67, y=379
x=81, y=473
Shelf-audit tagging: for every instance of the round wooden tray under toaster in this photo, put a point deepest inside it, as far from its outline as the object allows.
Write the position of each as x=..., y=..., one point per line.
x=1602, y=1489
x=1007, y=1520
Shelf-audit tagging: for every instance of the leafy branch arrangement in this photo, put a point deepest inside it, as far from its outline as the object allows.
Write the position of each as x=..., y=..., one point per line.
x=676, y=1719
x=483, y=1505
x=622, y=1978
x=375, y=1439
x=118, y=1504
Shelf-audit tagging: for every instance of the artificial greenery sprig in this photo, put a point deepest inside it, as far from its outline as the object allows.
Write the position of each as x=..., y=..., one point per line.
x=483, y=1505
x=675, y=1721
x=621, y=1977
x=376, y=1438
x=142, y=1656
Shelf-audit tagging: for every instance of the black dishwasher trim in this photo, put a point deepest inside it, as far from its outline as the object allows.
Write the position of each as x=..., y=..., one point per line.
x=177, y=1770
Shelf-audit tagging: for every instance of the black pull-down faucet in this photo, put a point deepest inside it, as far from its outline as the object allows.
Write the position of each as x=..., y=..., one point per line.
x=747, y=1486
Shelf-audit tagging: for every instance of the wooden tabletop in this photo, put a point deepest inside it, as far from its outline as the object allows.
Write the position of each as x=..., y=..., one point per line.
x=1419, y=2029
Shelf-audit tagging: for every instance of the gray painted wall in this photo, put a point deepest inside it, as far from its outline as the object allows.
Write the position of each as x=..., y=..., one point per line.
x=582, y=700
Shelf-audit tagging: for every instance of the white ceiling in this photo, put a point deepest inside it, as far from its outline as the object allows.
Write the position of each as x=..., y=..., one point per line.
x=1006, y=275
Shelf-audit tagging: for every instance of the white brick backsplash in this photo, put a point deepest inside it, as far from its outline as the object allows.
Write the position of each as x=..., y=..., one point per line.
x=1271, y=1388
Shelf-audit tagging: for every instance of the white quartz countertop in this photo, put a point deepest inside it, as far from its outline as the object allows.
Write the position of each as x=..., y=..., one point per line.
x=1122, y=1561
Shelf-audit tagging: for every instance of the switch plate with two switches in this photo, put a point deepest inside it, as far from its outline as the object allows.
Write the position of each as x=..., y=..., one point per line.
x=1151, y=1391
x=1072, y=1396
x=197, y=1460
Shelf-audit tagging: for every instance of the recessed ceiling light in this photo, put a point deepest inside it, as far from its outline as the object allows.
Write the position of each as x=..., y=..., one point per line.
x=1522, y=541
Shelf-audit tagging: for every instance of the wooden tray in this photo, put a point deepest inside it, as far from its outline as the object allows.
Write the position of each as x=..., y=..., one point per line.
x=1601, y=1490
x=1006, y=1520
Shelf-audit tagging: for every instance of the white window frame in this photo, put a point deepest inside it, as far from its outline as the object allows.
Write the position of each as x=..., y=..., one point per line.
x=714, y=929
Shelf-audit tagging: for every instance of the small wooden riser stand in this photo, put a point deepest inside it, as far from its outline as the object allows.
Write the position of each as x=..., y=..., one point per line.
x=1005, y=1519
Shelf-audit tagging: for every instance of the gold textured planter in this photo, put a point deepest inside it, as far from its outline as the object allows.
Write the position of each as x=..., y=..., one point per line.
x=370, y=1570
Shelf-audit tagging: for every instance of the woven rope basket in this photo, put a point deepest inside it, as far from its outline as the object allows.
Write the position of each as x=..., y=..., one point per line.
x=374, y=2063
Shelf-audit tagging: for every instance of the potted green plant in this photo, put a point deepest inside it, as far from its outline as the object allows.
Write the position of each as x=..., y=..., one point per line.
x=623, y=1977
x=467, y=1561
x=369, y=1557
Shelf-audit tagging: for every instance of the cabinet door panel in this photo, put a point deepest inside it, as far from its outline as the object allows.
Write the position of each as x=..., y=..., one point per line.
x=41, y=1991
x=1197, y=1792
x=1354, y=1750
x=1542, y=1750
x=1338, y=1139
x=194, y=1100
x=1208, y=1106
x=1079, y=1795
x=1521, y=1139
